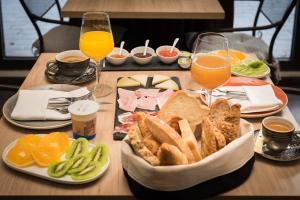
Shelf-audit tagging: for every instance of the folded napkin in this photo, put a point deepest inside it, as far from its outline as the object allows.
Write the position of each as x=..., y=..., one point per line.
x=32, y=104
x=260, y=98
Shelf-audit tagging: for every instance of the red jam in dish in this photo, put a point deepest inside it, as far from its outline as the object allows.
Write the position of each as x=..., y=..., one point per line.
x=167, y=53
x=117, y=56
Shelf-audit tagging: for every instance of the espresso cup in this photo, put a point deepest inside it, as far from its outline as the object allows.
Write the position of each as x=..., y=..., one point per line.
x=70, y=63
x=278, y=131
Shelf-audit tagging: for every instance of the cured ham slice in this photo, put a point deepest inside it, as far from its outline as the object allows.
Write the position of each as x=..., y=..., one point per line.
x=162, y=97
x=147, y=103
x=127, y=100
x=146, y=92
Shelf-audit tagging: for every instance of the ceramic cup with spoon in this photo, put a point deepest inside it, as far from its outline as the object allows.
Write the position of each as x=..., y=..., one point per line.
x=70, y=63
x=278, y=132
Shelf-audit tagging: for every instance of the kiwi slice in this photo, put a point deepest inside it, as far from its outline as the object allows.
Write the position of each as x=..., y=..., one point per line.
x=90, y=171
x=78, y=147
x=100, y=153
x=79, y=163
x=59, y=169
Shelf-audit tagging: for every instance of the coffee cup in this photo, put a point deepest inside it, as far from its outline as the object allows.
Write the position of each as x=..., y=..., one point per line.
x=277, y=131
x=70, y=63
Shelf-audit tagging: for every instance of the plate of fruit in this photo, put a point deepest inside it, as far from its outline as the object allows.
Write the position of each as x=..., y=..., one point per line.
x=58, y=158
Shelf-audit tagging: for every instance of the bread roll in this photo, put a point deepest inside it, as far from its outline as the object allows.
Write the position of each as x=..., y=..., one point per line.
x=170, y=155
x=163, y=133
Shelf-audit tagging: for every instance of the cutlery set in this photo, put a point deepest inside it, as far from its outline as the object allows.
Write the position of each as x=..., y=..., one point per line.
x=61, y=104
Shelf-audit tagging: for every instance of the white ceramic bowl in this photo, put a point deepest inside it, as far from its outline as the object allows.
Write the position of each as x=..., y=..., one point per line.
x=167, y=60
x=142, y=61
x=117, y=61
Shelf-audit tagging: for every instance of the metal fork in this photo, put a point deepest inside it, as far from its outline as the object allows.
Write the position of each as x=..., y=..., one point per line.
x=221, y=93
x=68, y=100
x=63, y=109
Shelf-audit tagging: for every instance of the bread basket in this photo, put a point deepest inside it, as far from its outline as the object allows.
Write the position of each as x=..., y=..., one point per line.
x=175, y=178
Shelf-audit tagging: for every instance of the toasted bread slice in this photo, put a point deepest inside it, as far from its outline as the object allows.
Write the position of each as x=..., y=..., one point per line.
x=184, y=106
x=208, y=139
x=173, y=122
x=147, y=136
x=189, y=138
x=141, y=116
x=220, y=139
x=226, y=118
x=163, y=133
x=170, y=155
x=139, y=147
x=219, y=110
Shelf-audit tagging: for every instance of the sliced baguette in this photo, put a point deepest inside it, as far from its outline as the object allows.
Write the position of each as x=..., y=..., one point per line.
x=169, y=84
x=170, y=155
x=185, y=106
x=127, y=82
x=189, y=138
x=157, y=78
x=139, y=147
x=142, y=78
x=163, y=133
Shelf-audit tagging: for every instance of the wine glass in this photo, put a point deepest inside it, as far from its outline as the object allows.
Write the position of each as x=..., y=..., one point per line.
x=210, y=62
x=96, y=42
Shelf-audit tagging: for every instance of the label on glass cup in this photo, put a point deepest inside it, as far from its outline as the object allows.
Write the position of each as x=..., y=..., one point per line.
x=84, y=114
x=86, y=129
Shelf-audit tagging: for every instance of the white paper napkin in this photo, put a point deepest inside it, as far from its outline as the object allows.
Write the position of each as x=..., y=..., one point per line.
x=32, y=104
x=260, y=98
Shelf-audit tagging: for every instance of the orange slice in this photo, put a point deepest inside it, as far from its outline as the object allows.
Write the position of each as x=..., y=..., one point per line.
x=29, y=140
x=235, y=56
x=20, y=156
x=45, y=155
x=56, y=140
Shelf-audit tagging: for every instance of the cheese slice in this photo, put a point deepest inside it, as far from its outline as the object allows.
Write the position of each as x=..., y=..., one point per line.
x=127, y=82
x=157, y=78
x=169, y=84
x=189, y=138
x=142, y=78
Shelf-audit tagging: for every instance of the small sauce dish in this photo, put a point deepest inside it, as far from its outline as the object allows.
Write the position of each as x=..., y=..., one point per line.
x=138, y=57
x=115, y=59
x=165, y=56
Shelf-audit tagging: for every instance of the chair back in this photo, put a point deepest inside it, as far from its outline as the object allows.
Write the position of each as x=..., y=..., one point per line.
x=276, y=12
x=36, y=10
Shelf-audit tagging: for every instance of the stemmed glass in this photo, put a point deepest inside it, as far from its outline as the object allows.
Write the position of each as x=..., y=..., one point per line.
x=96, y=42
x=210, y=62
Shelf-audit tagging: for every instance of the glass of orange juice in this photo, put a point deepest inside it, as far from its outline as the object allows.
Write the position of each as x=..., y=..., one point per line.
x=209, y=68
x=96, y=42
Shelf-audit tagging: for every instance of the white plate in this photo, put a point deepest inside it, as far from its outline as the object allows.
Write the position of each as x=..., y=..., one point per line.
x=37, y=125
x=40, y=172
